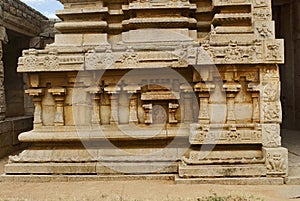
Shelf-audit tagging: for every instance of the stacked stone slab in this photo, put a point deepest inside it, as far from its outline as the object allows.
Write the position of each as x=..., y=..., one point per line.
x=157, y=86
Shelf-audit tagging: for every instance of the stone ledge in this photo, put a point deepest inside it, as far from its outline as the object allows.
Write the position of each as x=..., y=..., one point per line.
x=147, y=177
x=293, y=180
x=232, y=181
x=78, y=178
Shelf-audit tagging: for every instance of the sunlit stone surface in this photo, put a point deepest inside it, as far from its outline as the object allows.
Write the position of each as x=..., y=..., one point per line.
x=184, y=87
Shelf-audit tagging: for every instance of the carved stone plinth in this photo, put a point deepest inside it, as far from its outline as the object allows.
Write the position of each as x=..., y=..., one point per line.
x=187, y=87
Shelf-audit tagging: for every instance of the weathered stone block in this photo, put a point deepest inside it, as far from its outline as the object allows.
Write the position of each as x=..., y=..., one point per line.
x=276, y=161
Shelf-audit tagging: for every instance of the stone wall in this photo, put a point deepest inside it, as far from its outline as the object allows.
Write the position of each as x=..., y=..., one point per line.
x=21, y=27
x=21, y=18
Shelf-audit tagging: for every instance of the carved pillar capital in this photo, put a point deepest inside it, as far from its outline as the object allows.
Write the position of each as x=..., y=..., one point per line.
x=35, y=92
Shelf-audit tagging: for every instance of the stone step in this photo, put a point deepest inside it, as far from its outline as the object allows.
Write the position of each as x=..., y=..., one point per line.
x=231, y=181
x=205, y=171
x=79, y=178
x=91, y=168
x=294, y=171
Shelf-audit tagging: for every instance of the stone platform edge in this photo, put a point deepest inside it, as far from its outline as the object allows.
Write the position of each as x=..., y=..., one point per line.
x=152, y=177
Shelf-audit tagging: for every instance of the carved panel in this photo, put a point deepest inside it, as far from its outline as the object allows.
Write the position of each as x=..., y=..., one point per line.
x=271, y=135
x=225, y=135
x=276, y=161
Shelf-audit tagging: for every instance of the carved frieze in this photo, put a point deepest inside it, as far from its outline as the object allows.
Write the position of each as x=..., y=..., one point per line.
x=225, y=135
x=48, y=60
x=257, y=51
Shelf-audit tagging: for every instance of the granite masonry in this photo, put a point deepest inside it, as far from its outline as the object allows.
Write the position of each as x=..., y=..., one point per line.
x=179, y=87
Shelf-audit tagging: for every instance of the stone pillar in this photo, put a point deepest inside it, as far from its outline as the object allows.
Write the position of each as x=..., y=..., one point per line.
x=188, y=105
x=204, y=90
x=203, y=117
x=254, y=89
x=2, y=91
x=133, y=118
x=95, y=93
x=114, y=103
x=172, y=111
x=231, y=89
x=37, y=99
x=59, y=97
x=114, y=108
x=148, y=113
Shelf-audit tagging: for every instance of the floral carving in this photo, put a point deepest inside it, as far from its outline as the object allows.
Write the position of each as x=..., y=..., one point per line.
x=51, y=61
x=129, y=57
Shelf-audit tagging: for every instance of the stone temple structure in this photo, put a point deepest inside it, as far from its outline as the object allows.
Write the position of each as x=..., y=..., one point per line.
x=188, y=87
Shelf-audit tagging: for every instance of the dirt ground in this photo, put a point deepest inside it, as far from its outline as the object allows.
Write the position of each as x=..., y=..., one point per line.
x=135, y=191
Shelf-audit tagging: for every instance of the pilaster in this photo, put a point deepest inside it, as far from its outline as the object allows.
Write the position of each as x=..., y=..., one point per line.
x=95, y=93
x=59, y=97
x=37, y=99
